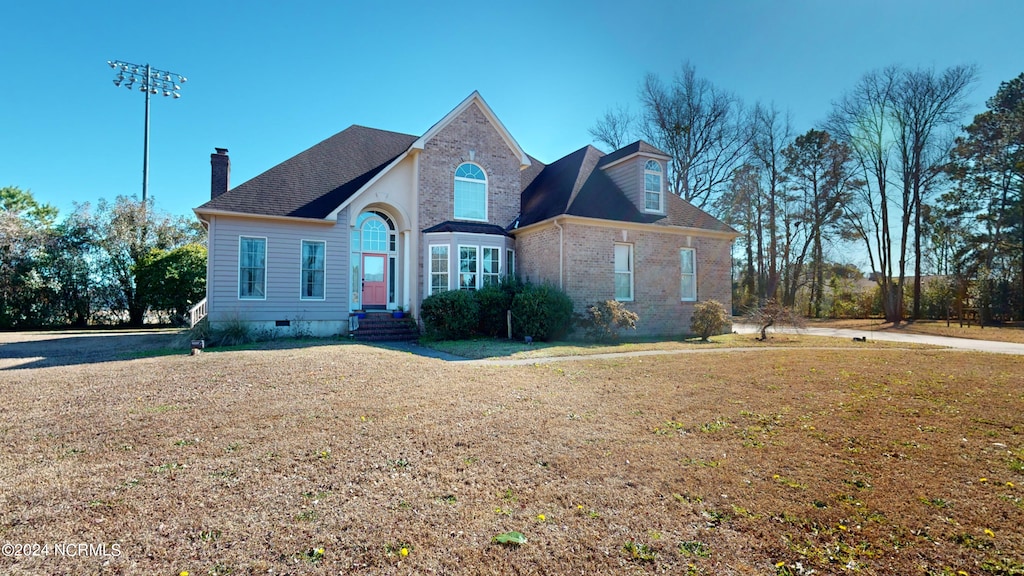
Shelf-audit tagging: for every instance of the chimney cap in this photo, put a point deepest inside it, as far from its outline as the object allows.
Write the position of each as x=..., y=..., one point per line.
x=221, y=151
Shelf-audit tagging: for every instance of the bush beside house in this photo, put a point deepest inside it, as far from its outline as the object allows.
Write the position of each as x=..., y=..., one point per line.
x=541, y=312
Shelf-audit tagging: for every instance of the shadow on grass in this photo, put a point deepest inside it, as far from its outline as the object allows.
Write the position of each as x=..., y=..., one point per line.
x=27, y=350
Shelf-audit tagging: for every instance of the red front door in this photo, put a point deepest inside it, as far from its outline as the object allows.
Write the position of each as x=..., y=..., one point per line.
x=375, y=286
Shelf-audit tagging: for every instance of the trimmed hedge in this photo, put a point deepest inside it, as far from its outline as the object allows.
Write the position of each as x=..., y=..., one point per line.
x=450, y=315
x=542, y=312
x=495, y=301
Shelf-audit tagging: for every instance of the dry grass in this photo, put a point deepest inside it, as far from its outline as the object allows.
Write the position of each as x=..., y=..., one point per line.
x=1006, y=333
x=875, y=461
x=500, y=348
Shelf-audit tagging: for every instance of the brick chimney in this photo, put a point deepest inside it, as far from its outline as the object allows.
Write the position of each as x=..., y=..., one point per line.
x=220, y=172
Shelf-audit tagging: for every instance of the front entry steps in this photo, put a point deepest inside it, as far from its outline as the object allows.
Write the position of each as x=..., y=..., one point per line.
x=383, y=327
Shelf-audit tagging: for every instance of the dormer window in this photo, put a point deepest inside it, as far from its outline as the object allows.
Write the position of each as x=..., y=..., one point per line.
x=470, y=193
x=653, y=187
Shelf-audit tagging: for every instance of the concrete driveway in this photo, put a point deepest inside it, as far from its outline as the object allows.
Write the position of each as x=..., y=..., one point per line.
x=849, y=334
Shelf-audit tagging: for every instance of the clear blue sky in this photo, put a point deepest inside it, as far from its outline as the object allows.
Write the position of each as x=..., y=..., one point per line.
x=268, y=79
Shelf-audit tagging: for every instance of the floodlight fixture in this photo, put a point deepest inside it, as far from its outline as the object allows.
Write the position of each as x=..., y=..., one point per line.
x=151, y=81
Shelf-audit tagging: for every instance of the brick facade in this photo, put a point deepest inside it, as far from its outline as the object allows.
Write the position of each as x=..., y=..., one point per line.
x=588, y=275
x=470, y=137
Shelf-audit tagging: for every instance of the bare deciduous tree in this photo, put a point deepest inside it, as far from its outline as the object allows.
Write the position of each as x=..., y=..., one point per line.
x=904, y=115
x=770, y=134
x=614, y=128
x=700, y=127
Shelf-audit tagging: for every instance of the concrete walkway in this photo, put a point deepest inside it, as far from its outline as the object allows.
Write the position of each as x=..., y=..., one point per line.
x=849, y=334
x=845, y=333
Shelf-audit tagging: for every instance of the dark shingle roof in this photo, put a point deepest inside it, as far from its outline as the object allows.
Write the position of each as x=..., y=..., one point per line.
x=316, y=181
x=576, y=185
x=313, y=183
x=551, y=191
x=468, y=227
x=629, y=150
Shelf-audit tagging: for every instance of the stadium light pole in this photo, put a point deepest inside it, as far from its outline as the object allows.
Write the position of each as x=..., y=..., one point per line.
x=150, y=81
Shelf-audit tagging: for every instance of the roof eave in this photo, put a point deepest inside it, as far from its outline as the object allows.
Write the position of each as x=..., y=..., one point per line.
x=205, y=213
x=634, y=155
x=605, y=223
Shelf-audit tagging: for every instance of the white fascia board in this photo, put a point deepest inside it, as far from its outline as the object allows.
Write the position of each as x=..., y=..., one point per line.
x=524, y=160
x=634, y=155
x=204, y=213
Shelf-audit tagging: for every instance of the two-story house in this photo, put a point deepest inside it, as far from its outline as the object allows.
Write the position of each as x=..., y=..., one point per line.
x=374, y=220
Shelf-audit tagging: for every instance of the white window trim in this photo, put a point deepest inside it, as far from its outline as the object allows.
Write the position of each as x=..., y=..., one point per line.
x=510, y=263
x=480, y=260
x=302, y=280
x=430, y=267
x=661, y=192
x=266, y=267
x=487, y=192
x=693, y=256
x=632, y=272
x=458, y=266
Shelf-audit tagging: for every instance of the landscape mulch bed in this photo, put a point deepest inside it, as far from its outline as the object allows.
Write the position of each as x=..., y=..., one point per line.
x=348, y=459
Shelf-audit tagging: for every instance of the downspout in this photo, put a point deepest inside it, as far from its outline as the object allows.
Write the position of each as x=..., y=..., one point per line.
x=561, y=245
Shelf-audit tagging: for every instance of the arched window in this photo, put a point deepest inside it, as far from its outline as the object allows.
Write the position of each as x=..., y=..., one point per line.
x=375, y=236
x=470, y=193
x=374, y=261
x=653, y=187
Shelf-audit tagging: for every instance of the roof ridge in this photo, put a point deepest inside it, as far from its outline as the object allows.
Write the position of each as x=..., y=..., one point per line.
x=591, y=157
x=378, y=130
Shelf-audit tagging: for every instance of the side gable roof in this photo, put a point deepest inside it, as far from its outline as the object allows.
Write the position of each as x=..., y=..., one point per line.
x=313, y=183
x=475, y=98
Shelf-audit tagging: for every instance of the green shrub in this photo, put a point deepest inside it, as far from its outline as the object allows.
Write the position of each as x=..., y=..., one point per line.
x=542, y=312
x=495, y=301
x=602, y=321
x=232, y=332
x=450, y=315
x=709, y=318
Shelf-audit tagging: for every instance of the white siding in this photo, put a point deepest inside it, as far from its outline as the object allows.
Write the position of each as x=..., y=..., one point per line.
x=284, y=241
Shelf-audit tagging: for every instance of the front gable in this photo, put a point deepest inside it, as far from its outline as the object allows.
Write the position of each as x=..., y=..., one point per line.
x=476, y=100
x=470, y=137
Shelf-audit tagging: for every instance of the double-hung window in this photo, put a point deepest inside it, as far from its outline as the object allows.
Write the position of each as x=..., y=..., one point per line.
x=490, y=273
x=313, y=268
x=687, y=274
x=438, y=268
x=252, y=268
x=653, y=196
x=470, y=193
x=624, y=272
x=468, y=267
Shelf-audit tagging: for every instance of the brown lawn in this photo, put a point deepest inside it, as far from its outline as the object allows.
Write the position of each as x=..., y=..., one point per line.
x=334, y=459
x=1003, y=333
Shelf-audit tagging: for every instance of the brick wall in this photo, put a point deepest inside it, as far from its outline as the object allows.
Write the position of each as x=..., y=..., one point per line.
x=589, y=274
x=537, y=256
x=470, y=131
